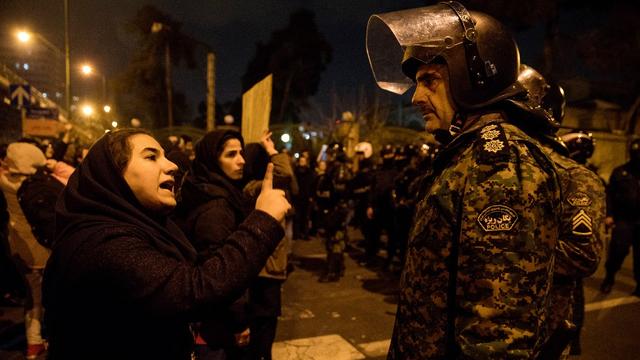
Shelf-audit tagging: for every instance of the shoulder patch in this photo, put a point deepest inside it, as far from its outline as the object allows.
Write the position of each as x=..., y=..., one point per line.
x=492, y=145
x=579, y=199
x=496, y=218
x=581, y=224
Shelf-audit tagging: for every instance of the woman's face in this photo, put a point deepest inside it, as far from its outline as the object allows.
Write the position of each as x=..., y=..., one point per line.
x=150, y=175
x=231, y=161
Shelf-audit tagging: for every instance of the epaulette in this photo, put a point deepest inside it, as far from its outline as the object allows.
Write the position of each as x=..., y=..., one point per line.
x=492, y=145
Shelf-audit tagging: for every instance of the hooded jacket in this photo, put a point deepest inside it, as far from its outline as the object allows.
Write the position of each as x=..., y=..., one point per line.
x=123, y=282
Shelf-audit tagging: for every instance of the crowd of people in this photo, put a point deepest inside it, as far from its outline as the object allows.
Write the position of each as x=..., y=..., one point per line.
x=178, y=249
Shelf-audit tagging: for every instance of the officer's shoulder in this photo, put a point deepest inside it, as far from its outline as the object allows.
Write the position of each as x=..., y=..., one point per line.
x=563, y=162
x=491, y=144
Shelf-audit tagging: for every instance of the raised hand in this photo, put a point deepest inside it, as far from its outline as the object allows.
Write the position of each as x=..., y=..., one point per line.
x=270, y=200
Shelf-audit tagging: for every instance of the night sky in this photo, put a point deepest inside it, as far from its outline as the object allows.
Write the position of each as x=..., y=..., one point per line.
x=98, y=35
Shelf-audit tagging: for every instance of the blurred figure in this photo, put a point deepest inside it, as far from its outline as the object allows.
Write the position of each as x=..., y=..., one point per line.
x=623, y=213
x=404, y=200
x=303, y=202
x=265, y=296
x=23, y=160
x=332, y=197
x=381, y=210
x=12, y=285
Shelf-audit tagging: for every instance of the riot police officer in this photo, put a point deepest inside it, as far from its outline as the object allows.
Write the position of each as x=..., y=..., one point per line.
x=331, y=195
x=381, y=210
x=623, y=211
x=481, y=250
x=579, y=246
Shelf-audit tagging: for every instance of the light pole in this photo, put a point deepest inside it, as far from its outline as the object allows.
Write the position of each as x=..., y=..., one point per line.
x=157, y=27
x=67, y=60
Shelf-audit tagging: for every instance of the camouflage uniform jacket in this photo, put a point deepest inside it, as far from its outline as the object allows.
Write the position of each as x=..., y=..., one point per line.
x=497, y=194
x=582, y=228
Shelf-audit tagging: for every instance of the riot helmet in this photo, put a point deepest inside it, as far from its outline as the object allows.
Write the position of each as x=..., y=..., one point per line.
x=581, y=145
x=531, y=107
x=555, y=101
x=481, y=56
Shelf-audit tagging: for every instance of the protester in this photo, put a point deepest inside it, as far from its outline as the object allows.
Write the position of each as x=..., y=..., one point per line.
x=123, y=282
x=211, y=208
x=265, y=298
x=23, y=160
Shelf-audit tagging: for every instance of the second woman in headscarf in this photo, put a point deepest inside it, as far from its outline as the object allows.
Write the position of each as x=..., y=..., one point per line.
x=212, y=206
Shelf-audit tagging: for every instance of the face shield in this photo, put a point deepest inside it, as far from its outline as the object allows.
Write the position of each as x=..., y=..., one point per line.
x=398, y=42
x=481, y=56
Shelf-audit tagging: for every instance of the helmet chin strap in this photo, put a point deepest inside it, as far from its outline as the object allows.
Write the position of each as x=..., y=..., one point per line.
x=457, y=124
x=443, y=136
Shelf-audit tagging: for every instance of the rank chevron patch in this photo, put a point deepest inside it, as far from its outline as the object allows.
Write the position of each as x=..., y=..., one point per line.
x=582, y=224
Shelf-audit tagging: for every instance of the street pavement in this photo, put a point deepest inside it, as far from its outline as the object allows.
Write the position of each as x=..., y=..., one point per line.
x=353, y=318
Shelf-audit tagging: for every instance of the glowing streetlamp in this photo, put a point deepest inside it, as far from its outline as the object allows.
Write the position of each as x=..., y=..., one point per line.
x=87, y=110
x=114, y=124
x=23, y=36
x=107, y=109
x=88, y=70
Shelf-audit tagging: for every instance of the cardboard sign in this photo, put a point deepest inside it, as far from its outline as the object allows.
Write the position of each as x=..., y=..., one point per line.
x=256, y=110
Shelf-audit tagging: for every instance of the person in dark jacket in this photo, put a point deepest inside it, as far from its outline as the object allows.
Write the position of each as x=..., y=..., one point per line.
x=304, y=200
x=623, y=213
x=212, y=207
x=265, y=299
x=123, y=282
x=37, y=196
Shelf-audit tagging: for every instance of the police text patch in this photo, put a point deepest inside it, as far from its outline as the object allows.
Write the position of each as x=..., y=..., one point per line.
x=581, y=224
x=497, y=218
x=579, y=199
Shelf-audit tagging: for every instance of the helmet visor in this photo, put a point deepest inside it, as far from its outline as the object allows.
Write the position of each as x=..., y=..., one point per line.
x=420, y=34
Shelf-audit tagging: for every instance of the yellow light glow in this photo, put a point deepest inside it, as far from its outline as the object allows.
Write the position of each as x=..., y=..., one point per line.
x=87, y=110
x=87, y=69
x=107, y=109
x=23, y=36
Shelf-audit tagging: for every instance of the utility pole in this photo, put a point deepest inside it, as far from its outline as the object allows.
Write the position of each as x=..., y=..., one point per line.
x=211, y=91
x=167, y=63
x=67, y=61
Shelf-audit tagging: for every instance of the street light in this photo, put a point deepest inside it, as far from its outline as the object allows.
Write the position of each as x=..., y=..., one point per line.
x=107, y=109
x=87, y=110
x=25, y=36
x=88, y=70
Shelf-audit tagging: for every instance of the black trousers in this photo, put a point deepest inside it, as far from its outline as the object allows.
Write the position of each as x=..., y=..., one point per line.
x=625, y=234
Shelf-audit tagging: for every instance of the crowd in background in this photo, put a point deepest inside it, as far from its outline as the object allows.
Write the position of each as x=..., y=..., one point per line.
x=217, y=182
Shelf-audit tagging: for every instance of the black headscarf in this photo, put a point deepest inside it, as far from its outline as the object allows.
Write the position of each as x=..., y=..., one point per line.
x=97, y=200
x=257, y=159
x=207, y=180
